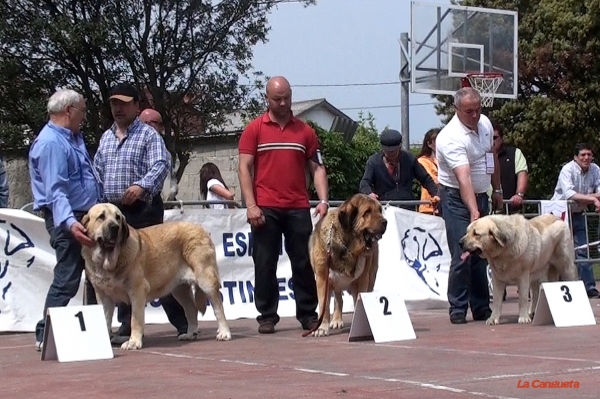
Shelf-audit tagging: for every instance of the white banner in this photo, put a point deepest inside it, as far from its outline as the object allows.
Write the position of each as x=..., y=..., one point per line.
x=414, y=261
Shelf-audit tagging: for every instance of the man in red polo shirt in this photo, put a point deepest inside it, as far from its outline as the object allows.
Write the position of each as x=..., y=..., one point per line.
x=274, y=151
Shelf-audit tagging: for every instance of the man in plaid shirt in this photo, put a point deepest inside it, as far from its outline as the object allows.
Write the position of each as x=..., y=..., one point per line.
x=132, y=162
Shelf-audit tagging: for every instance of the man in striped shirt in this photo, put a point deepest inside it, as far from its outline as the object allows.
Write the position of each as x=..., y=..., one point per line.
x=133, y=162
x=274, y=151
x=579, y=181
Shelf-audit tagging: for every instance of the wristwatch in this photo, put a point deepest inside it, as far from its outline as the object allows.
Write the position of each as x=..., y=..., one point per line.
x=498, y=191
x=325, y=202
x=521, y=195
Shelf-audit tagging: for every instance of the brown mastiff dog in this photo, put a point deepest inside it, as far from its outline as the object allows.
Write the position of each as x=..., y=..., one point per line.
x=136, y=266
x=344, y=250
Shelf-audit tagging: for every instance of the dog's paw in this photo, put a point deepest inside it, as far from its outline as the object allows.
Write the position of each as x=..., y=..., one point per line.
x=322, y=331
x=131, y=344
x=336, y=324
x=493, y=321
x=223, y=335
x=188, y=336
x=524, y=320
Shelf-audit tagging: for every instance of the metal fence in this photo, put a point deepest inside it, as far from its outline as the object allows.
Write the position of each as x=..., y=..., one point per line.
x=530, y=208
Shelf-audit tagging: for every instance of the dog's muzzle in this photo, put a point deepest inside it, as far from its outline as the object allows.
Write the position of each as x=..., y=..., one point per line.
x=372, y=236
x=110, y=236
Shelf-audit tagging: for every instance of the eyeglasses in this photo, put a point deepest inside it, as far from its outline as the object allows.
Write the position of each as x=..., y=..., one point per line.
x=155, y=122
x=83, y=111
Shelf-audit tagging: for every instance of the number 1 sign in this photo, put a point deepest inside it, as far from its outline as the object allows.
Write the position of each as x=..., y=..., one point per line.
x=565, y=303
x=75, y=333
x=381, y=316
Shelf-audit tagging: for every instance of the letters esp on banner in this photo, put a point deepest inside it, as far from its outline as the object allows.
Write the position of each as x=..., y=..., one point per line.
x=413, y=259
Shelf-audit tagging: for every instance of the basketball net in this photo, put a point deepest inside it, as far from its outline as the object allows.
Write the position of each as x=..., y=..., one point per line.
x=486, y=84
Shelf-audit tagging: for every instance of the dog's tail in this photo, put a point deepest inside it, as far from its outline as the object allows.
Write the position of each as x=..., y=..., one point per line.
x=200, y=299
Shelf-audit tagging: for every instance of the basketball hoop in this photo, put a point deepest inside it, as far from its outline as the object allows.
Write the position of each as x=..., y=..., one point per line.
x=485, y=83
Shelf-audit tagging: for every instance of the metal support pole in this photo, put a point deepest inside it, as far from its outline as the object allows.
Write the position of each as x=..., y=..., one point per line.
x=404, y=90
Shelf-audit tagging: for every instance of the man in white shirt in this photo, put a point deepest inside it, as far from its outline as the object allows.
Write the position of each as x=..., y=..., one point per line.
x=466, y=166
x=579, y=181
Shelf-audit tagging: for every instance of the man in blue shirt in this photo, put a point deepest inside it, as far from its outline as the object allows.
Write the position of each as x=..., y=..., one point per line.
x=65, y=186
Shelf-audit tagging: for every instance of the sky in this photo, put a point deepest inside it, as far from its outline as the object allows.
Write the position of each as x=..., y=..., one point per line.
x=346, y=42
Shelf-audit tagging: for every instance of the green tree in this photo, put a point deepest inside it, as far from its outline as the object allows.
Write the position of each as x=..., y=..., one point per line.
x=559, y=90
x=345, y=161
x=188, y=58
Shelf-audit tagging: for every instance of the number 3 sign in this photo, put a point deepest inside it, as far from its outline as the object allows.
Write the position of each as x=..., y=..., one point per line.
x=75, y=333
x=382, y=316
x=564, y=303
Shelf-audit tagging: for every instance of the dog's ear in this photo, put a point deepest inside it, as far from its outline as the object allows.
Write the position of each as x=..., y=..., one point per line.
x=347, y=215
x=85, y=220
x=123, y=231
x=498, y=235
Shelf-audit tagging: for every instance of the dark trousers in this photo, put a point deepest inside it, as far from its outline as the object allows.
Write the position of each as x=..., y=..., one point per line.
x=140, y=215
x=467, y=281
x=68, y=269
x=296, y=227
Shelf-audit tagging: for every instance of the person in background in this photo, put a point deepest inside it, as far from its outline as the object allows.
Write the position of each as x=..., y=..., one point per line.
x=513, y=171
x=4, y=192
x=213, y=187
x=64, y=186
x=427, y=159
x=153, y=118
x=579, y=181
x=389, y=173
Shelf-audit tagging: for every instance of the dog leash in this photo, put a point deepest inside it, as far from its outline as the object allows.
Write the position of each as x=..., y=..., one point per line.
x=327, y=294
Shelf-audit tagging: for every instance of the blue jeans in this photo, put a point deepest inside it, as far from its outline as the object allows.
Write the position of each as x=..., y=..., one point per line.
x=67, y=272
x=586, y=272
x=467, y=281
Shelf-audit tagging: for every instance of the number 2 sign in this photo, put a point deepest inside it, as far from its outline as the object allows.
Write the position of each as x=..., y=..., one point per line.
x=382, y=316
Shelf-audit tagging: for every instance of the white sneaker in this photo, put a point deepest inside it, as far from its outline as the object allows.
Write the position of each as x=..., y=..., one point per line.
x=39, y=346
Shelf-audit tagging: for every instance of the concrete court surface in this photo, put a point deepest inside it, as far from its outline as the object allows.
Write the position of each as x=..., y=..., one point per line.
x=445, y=361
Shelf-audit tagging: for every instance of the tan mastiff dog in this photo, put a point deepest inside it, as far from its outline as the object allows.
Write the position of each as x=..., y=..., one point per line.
x=137, y=265
x=344, y=250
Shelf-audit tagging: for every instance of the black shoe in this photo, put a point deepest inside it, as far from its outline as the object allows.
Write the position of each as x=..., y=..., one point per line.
x=593, y=293
x=118, y=340
x=124, y=330
x=266, y=327
x=182, y=330
x=458, y=318
x=310, y=324
x=482, y=315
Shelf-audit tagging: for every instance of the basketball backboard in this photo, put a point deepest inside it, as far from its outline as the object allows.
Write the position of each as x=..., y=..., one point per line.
x=448, y=42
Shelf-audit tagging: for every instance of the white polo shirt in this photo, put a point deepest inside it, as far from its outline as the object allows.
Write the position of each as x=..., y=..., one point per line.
x=457, y=145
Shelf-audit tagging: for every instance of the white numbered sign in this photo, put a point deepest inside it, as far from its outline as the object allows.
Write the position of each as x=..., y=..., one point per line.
x=75, y=333
x=564, y=303
x=382, y=316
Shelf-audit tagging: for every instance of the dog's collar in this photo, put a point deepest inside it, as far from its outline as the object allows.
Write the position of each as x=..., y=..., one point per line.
x=329, y=242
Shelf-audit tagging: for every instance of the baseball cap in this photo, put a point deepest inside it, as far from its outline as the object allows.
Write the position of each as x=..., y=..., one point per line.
x=390, y=140
x=124, y=92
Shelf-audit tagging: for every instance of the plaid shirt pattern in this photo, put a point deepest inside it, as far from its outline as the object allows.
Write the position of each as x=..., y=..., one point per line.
x=141, y=158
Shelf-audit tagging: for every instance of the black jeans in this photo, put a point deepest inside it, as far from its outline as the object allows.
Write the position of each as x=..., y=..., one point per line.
x=68, y=269
x=467, y=281
x=140, y=215
x=296, y=227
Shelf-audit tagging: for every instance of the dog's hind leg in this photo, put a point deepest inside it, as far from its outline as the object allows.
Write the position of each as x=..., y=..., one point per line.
x=204, y=264
x=183, y=294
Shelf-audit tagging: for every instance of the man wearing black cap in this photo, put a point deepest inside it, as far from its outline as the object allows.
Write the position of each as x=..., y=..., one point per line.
x=133, y=162
x=390, y=172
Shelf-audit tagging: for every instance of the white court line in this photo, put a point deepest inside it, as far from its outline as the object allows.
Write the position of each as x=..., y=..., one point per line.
x=17, y=347
x=419, y=384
